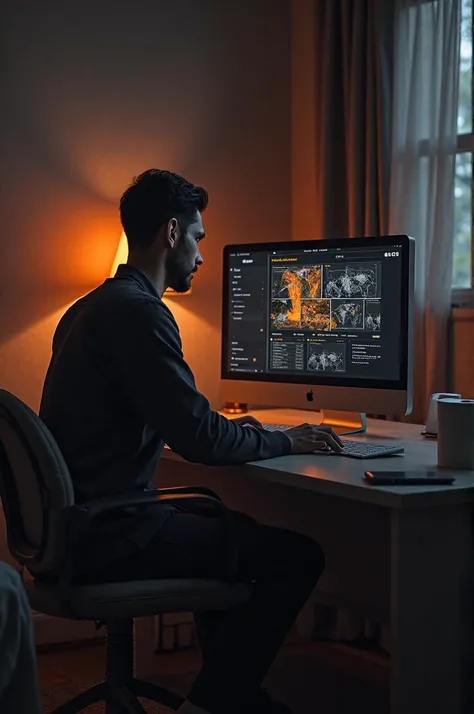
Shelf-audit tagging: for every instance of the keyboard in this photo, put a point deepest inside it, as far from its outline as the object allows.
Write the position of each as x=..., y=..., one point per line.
x=352, y=449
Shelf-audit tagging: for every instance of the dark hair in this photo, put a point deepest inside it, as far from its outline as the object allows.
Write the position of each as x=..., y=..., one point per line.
x=155, y=197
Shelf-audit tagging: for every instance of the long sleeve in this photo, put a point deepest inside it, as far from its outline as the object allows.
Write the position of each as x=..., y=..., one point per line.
x=163, y=392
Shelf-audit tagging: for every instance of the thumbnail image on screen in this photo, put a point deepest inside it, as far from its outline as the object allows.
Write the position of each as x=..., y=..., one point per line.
x=296, y=283
x=316, y=315
x=308, y=314
x=326, y=357
x=347, y=314
x=285, y=313
x=373, y=315
x=351, y=281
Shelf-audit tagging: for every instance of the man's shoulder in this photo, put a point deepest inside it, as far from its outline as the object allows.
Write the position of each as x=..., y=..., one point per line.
x=120, y=297
x=117, y=305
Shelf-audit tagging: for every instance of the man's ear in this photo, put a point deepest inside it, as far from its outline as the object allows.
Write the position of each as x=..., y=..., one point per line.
x=172, y=232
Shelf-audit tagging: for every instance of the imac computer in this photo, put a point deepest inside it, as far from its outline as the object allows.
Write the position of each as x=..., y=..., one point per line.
x=322, y=324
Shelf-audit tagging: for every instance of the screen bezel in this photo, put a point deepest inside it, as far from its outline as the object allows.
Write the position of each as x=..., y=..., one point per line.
x=380, y=241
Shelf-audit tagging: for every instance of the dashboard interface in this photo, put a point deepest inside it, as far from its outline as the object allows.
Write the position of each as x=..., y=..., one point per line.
x=325, y=311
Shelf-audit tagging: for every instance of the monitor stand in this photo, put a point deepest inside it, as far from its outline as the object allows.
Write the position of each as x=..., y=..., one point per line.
x=345, y=423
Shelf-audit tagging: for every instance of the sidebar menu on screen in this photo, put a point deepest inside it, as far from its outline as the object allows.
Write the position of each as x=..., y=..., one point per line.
x=247, y=312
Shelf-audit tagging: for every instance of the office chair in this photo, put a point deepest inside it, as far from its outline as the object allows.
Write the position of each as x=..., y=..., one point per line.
x=44, y=524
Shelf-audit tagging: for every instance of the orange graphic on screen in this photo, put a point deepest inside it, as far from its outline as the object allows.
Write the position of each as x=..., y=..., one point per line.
x=296, y=299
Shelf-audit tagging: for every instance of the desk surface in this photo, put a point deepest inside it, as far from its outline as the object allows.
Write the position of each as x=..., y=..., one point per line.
x=340, y=476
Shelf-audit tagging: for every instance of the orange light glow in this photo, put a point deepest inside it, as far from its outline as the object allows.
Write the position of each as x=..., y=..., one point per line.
x=121, y=257
x=121, y=254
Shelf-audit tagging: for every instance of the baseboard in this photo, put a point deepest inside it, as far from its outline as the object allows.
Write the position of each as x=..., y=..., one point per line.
x=54, y=630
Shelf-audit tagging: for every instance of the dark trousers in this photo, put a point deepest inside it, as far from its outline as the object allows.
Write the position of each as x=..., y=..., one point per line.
x=238, y=645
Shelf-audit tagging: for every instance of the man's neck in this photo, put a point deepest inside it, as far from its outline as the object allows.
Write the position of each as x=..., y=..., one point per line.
x=156, y=275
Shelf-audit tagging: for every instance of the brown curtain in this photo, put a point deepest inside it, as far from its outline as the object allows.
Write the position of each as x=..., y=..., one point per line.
x=353, y=60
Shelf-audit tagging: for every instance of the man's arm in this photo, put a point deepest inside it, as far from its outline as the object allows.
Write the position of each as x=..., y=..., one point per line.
x=161, y=388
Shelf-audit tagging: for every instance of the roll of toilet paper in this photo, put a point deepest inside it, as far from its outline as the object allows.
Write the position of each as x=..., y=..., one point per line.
x=456, y=433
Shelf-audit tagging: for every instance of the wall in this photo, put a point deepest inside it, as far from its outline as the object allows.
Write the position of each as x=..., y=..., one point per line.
x=94, y=92
x=303, y=120
x=462, y=352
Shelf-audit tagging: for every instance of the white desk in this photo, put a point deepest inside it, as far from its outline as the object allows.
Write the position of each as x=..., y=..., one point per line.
x=405, y=551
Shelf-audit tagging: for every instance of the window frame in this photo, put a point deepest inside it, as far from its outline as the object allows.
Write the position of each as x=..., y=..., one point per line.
x=465, y=144
x=464, y=296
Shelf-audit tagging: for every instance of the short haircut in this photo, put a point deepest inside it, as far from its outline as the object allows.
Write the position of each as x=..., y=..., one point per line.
x=154, y=197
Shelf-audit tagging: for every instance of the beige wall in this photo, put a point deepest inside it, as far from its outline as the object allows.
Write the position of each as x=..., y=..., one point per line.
x=94, y=92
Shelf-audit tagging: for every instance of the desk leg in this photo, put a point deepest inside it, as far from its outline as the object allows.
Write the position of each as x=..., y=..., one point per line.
x=431, y=610
x=145, y=661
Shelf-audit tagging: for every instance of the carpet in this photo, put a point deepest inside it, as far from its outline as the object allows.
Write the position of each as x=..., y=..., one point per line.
x=303, y=682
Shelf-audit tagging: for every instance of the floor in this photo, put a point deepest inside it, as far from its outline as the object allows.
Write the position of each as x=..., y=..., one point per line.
x=311, y=678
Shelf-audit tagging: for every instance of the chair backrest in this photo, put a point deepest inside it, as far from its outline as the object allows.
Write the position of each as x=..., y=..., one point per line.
x=35, y=487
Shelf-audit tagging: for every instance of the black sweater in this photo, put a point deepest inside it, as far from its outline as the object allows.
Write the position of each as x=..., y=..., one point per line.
x=118, y=388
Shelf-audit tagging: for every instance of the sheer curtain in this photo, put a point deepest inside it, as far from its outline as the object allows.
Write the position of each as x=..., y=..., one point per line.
x=424, y=129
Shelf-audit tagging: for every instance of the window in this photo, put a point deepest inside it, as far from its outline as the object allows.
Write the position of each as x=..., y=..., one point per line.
x=463, y=263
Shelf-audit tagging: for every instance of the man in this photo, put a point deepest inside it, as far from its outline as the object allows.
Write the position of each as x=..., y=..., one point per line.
x=19, y=692
x=117, y=389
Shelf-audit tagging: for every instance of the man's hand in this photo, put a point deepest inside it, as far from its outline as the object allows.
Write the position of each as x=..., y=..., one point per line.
x=248, y=420
x=307, y=438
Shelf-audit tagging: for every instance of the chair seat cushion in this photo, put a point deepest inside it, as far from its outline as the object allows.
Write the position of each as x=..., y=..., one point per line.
x=106, y=601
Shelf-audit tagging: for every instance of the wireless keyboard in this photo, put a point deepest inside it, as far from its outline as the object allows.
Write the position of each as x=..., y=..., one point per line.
x=352, y=449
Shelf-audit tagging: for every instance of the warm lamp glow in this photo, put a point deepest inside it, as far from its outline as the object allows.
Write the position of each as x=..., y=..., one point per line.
x=121, y=257
x=121, y=254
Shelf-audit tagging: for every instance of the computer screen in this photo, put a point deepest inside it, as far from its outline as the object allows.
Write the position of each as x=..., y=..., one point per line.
x=330, y=312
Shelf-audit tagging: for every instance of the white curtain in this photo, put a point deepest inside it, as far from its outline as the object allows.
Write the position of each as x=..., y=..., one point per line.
x=424, y=132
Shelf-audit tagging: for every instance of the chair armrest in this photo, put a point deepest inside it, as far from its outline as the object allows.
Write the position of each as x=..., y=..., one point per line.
x=189, y=489
x=80, y=516
x=145, y=498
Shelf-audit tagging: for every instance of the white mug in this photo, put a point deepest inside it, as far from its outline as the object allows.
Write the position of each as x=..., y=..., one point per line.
x=431, y=428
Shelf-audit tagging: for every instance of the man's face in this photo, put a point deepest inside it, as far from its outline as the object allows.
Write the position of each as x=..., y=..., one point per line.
x=183, y=257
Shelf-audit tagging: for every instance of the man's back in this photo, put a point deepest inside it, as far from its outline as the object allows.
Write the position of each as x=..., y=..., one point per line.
x=108, y=446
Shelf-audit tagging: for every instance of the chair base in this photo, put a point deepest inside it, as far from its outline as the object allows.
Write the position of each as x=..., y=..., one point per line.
x=121, y=699
x=120, y=690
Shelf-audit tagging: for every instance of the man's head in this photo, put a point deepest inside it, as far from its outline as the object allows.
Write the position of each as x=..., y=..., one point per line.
x=161, y=217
